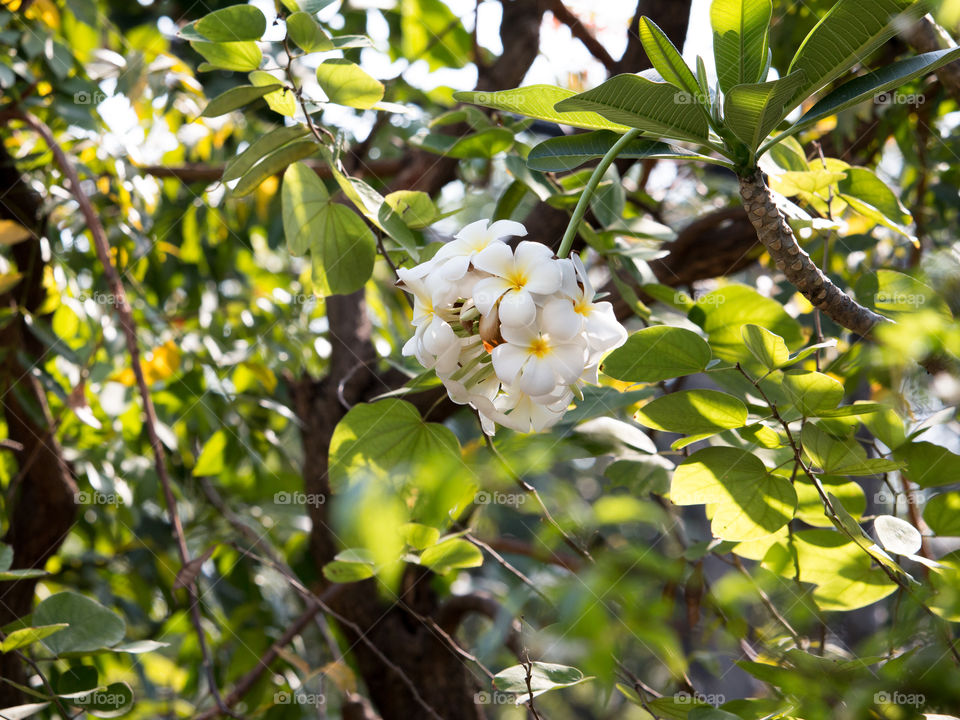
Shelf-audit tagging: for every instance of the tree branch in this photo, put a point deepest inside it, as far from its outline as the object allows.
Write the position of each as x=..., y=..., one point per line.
x=779, y=240
x=582, y=33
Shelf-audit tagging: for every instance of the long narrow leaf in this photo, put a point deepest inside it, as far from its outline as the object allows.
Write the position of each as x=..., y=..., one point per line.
x=538, y=101
x=667, y=59
x=753, y=111
x=740, y=30
x=846, y=36
x=565, y=153
x=873, y=84
x=659, y=108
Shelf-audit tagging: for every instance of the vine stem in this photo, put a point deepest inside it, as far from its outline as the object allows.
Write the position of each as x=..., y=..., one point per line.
x=588, y=191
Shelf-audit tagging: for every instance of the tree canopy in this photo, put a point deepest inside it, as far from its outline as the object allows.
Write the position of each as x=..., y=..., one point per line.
x=393, y=359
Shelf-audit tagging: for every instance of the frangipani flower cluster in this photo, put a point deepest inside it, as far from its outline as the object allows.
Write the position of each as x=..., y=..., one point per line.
x=514, y=333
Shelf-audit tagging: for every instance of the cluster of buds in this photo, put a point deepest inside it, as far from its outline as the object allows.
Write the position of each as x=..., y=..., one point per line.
x=514, y=333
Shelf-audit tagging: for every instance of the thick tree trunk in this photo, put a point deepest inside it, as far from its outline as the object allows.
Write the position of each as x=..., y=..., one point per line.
x=778, y=238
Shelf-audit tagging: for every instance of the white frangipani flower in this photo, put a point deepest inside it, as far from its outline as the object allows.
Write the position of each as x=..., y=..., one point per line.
x=577, y=313
x=517, y=277
x=512, y=334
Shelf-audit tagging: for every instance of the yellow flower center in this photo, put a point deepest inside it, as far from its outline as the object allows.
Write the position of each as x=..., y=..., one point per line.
x=517, y=279
x=582, y=307
x=540, y=347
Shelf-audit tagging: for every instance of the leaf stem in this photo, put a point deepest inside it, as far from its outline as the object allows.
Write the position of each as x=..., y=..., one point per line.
x=588, y=191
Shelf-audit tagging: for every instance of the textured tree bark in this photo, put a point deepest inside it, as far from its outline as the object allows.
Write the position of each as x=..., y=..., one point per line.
x=44, y=509
x=778, y=238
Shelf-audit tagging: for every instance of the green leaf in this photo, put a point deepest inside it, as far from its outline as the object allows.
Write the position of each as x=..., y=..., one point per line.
x=114, y=700
x=236, y=98
x=843, y=573
x=841, y=456
x=414, y=208
x=304, y=197
x=693, y=412
x=275, y=162
x=570, y=151
x=745, y=501
x=767, y=347
x=810, y=507
x=870, y=196
x=539, y=101
x=942, y=514
x=665, y=57
x=419, y=536
x=430, y=31
x=342, y=571
x=211, y=460
x=91, y=625
x=263, y=145
x=872, y=84
x=740, y=31
x=812, y=392
x=307, y=34
x=342, y=247
x=230, y=24
x=848, y=34
x=813, y=181
x=753, y=111
x=723, y=313
x=483, y=144
x=386, y=438
x=928, y=465
x=27, y=636
x=282, y=100
x=78, y=680
x=239, y=56
x=451, y=555
x=637, y=101
x=658, y=353
x=345, y=83
x=543, y=677
x=6, y=557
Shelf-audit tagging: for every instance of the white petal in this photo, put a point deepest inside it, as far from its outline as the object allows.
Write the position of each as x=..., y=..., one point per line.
x=604, y=331
x=538, y=376
x=496, y=259
x=410, y=346
x=582, y=277
x=559, y=320
x=474, y=231
x=568, y=283
x=523, y=335
x=544, y=278
x=567, y=361
x=506, y=228
x=487, y=291
x=508, y=360
x=517, y=308
x=454, y=268
x=439, y=337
